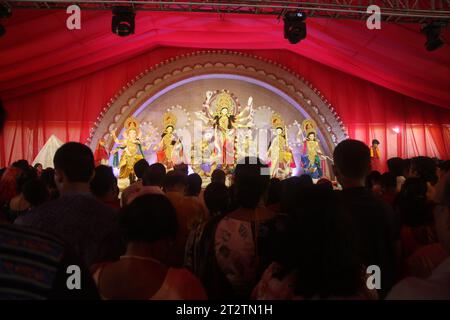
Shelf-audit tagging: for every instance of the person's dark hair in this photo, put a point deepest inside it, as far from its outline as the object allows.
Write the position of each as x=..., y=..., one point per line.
x=148, y=218
x=181, y=167
x=425, y=167
x=412, y=203
x=352, y=158
x=218, y=175
x=154, y=175
x=21, y=164
x=174, y=178
x=25, y=176
x=325, y=183
x=274, y=191
x=76, y=161
x=48, y=176
x=103, y=182
x=292, y=192
x=388, y=181
x=217, y=198
x=36, y=165
x=375, y=141
x=373, y=178
x=194, y=185
x=140, y=167
x=35, y=192
x=406, y=167
x=319, y=246
x=250, y=182
x=305, y=180
x=444, y=165
x=396, y=166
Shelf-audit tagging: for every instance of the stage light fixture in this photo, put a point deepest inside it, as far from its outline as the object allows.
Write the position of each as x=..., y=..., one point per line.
x=5, y=11
x=123, y=21
x=432, y=31
x=294, y=26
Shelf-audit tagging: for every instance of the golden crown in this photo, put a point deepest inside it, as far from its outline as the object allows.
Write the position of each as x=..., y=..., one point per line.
x=224, y=101
x=277, y=121
x=170, y=120
x=309, y=126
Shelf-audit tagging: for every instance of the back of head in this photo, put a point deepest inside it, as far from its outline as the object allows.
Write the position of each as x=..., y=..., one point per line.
x=103, y=182
x=320, y=246
x=35, y=192
x=352, y=159
x=250, y=182
x=22, y=164
x=217, y=198
x=292, y=193
x=373, y=178
x=325, y=183
x=218, y=176
x=154, y=175
x=442, y=210
x=181, y=167
x=412, y=202
x=305, y=180
x=274, y=191
x=48, y=176
x=140, y=167
x=175, y=181
x=26, y=175
x=424, y=167
x=396, y=166
x=148, y=218
x=388, y=181
x=76, y=161
x=194, y=185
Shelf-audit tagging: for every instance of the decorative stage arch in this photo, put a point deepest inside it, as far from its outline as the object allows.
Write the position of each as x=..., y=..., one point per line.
x=208, y=66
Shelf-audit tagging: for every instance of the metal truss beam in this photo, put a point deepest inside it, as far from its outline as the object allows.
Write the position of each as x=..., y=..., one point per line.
x=400, y=11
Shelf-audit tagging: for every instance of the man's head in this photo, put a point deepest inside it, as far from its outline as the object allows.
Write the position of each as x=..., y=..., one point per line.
x=375, y=143
x=194, y=185
x=104, y=183
x=154, y=175
x=140, y=167
x=181, y=167
x=442, y=210
x=218, y=176
x=175, y=181
x=396, y=166
x=424, y=167
x=74, y=164
x=351, y=163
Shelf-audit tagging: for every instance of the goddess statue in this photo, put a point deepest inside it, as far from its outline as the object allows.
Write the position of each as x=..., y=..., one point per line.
x=169, y=150
x=280, y=155
x=132, y=150
x=311, y=155
x=220, y=111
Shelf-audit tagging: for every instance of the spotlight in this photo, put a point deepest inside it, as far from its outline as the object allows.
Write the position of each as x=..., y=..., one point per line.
x=432, y=31
x=123, y=21
x=294, y=26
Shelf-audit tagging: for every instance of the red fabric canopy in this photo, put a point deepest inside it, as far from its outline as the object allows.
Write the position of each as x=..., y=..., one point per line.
x=56, y=81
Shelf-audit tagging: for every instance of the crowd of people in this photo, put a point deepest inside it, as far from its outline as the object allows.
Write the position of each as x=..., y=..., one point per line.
x=167, y=237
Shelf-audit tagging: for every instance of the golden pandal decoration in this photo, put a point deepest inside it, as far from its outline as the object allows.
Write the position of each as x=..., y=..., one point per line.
x=224, y=101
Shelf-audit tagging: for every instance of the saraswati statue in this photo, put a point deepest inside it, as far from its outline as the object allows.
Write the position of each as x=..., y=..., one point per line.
x=131, y=147
x=280, y=155
x=221, y=111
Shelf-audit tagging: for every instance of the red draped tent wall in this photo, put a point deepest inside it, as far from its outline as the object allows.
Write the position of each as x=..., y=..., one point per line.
x=56, y=81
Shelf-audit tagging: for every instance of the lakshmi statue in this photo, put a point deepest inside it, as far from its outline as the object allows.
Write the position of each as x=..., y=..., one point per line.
x=279, y=153
x=169, y=149
x=311, y=155
x=220, y=111
x=131, y=147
